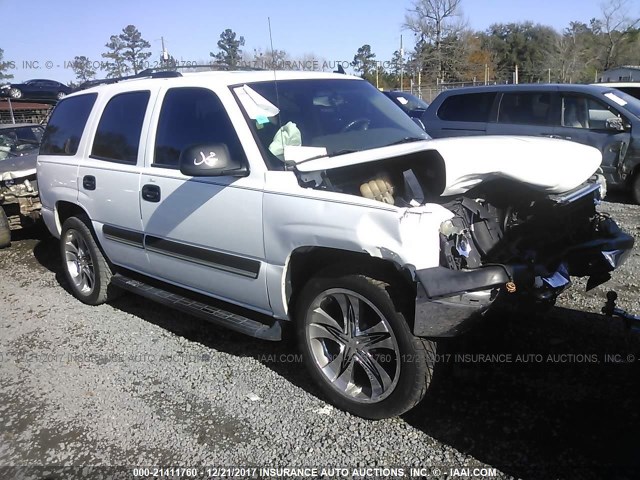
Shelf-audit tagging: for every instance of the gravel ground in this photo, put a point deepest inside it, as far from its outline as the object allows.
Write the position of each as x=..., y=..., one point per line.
x=130, y=383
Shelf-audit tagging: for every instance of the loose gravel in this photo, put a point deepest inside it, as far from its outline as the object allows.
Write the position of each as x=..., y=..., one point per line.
x=131, y=384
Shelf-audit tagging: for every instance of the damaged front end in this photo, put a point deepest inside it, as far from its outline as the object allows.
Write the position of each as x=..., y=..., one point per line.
x=20, y=200
x=523, y=220
x=508, y=241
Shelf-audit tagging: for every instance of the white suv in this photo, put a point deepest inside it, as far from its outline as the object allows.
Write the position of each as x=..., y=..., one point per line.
x=311, y=199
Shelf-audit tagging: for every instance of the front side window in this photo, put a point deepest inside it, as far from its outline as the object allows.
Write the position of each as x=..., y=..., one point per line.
x=118, y=135
x=322, y=117
x=64, y=129
x=193, y=116
x=526, y=108
x=580, y=111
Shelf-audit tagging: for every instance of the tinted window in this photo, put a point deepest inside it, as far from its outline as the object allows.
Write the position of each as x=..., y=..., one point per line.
x=66, y=125
x=118, y=134
x=470, y=107
x=192, y=116
x=529, y=108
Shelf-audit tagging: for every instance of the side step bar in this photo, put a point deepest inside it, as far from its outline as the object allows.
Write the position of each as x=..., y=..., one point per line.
x=201, y=310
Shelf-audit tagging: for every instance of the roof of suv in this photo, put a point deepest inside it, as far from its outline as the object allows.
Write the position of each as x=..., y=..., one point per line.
x=573, y=87
x=223, y=78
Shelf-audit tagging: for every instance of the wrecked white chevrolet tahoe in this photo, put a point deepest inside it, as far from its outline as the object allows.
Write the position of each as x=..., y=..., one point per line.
x=311, y=199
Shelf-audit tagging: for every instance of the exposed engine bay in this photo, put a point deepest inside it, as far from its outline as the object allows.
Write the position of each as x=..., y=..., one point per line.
x=539, y=239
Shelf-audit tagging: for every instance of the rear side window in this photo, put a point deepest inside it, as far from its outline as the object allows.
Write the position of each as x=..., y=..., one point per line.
x=118, y=134
x=192, y=116
x=470, y=107
x=66, y=125
x=527, y=108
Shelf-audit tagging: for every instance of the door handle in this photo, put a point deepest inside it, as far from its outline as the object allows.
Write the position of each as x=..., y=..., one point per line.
x=551, y=135
x=89, y=182
x=151, y=193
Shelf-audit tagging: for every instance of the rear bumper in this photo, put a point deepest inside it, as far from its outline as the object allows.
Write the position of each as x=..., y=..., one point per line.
x=449, y=301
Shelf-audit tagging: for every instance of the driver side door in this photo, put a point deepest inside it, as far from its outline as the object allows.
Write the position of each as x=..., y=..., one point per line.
x=202, y=233
x=584, y=120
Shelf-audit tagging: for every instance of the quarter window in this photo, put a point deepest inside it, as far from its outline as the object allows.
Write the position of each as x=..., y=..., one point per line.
x=66, y=125
x=118, y=135
x=471, y=107
x=192, y=116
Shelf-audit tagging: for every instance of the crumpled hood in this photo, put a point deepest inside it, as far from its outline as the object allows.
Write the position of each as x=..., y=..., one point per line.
x=18, y=167
x=545, y=164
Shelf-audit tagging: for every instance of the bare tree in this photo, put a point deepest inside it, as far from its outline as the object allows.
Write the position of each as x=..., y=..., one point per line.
x=433, y=21
x=617, y=26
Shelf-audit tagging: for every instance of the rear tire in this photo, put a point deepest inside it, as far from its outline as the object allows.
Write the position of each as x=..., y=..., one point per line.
x=15, y=93
x=5, y=231
x=359, y=348
x=85, y=267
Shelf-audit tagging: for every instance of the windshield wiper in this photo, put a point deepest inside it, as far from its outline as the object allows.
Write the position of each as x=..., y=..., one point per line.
x=406, y=140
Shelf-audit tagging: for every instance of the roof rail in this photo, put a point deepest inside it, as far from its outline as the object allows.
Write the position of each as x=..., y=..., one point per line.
x=209, y=66
x=162, y=72
x=148, y=73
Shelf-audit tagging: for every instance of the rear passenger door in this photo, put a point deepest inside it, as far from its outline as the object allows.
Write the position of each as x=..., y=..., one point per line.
x=525, y=113
x=109, y=177
x=202, y=233
x=583, y=120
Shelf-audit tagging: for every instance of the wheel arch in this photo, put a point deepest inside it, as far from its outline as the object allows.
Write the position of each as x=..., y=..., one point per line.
x=306, y=262
x=65, y=210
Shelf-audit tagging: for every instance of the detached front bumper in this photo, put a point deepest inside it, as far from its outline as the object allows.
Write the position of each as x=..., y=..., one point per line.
x=449, y=301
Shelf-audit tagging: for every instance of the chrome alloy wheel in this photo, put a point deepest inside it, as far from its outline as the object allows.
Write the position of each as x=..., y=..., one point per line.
x=353, y=345
x=79, y=262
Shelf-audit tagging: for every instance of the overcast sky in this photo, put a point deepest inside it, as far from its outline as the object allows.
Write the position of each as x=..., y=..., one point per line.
x=55, y=32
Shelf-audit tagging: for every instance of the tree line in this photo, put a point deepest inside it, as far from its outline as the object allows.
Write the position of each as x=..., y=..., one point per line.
x=442, y=49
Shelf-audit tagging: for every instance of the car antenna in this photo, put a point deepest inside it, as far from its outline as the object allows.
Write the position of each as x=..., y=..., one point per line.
x=275, y=84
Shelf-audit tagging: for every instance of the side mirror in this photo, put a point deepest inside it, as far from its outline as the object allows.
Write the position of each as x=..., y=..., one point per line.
x=418, y=122
x=210, y=160
x=615, y=123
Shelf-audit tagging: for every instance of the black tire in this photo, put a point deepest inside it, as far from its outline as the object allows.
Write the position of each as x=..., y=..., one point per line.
x=5, y=231
x=61, y=95
x=411, y=373
x=635, y=187
x=77, y=233
x=15, y=93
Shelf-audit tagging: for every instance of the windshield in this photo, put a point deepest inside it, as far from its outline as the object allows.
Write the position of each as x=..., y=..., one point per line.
x=626, y=101
x=18, y=141
x=409, y=101
x=330, y=116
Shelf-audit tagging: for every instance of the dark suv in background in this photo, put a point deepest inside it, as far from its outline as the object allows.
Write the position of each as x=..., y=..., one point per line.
x=602, y=117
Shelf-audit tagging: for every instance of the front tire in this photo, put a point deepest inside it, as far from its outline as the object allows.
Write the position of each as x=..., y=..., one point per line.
x=359, y=348
x=61, y=95
x=5, y=231
x=85, y=268
x=635, y=187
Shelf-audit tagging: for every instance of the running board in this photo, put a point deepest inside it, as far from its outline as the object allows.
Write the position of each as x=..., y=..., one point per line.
x=201, y=310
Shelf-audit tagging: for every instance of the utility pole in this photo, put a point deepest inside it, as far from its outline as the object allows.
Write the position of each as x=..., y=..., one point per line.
x=549, y=76
x=515, y=77
x=401, y=65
